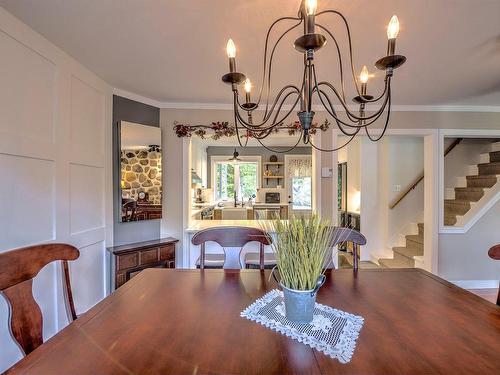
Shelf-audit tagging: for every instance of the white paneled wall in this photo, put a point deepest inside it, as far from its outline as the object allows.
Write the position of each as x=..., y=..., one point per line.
x=55, y=169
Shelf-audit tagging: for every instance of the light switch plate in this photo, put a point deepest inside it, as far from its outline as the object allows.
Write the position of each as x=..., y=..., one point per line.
x=396, y=188
x=326, y=172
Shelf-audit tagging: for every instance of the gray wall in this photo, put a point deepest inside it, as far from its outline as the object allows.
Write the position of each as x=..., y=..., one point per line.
x=252, y=151
x=131, y=111
x=465, y=256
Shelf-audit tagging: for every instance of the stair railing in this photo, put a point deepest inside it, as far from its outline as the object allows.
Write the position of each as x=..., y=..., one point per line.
x=420, y=177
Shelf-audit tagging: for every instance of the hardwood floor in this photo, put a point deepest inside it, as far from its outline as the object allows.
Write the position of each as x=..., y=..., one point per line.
x=487, y=294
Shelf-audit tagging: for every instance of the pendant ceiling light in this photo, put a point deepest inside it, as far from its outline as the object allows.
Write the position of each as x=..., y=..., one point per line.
x=311, y=89
x=235, y=156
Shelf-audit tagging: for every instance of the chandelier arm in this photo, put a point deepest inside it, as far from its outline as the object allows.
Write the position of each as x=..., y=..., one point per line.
x=246, y=141
x=350, y=44
x=333, y=114
x=331, y=111
x=342, y=102
x=267, y=132
x=285, y=151
x=265, y=50
x=236, y=127
x=268, y=91
x=336, y=148
x=350, y=115
x=375, y=139
x=348, y=112
x=339, y=54
x=268, y=115
x=274, y=122
x=247, y=125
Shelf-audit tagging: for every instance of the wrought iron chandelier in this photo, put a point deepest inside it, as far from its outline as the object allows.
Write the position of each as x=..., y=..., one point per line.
x=307, y=44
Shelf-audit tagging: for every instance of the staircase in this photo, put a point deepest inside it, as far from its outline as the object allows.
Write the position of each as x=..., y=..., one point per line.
x=461, y=200
x=403, y=257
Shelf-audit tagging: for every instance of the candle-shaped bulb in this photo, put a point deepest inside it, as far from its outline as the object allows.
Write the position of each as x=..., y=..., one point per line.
x=311, y=6
x=393, y=28
x=364, y=75
x=231, y=49
x=248, y=86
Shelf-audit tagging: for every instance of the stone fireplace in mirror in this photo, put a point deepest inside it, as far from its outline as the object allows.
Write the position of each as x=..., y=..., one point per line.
x=141, y=172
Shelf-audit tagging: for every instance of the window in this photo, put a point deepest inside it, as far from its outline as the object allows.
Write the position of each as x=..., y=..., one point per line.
x=241, y=177
x=301, y=193
x=299, y=180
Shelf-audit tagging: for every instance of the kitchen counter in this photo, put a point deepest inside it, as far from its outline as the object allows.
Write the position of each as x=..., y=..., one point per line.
x=198, y=225
x=270, y=204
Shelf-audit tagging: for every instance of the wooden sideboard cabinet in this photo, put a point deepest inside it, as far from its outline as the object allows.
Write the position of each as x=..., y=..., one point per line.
x=130, y=259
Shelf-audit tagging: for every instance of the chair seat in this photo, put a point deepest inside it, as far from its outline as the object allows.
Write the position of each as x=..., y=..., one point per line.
x=254, y=259
x=212, y=261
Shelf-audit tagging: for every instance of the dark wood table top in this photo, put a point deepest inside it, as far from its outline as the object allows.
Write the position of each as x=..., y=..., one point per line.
x=188, y=322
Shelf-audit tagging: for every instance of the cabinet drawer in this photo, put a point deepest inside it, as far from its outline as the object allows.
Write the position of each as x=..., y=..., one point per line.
x=149, y=256
x=121, y=278
x=127, y=261
x=167, y=252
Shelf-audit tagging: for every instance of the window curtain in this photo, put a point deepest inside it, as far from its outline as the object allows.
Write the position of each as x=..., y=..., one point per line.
x=299, y=167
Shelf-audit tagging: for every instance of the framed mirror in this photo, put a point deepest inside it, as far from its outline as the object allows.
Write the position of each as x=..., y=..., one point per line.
x=141, y=172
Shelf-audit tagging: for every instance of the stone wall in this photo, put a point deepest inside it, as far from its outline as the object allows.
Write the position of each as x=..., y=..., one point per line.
x=141, y=171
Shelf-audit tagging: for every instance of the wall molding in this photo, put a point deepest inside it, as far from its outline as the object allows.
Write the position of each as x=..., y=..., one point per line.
x=317, y=108
x=475, y=284
x=137, y=98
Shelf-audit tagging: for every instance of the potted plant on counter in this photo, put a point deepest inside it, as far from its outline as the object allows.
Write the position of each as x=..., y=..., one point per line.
x=301, y=245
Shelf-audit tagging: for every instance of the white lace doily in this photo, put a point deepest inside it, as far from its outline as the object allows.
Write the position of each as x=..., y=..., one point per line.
x=331, y=331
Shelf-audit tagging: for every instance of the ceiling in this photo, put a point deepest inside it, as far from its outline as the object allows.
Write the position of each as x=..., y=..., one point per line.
x=174, y=50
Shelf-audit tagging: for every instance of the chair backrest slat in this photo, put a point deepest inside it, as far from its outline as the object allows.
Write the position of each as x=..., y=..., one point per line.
x=19, y=267
x=25, y=316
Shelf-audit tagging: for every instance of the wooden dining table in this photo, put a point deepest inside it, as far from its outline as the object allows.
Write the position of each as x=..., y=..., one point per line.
x=188, y=322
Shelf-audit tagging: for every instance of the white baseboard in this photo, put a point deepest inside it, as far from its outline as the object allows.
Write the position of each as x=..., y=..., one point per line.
x=476, y=284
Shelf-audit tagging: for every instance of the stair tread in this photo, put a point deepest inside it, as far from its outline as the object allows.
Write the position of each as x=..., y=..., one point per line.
x=415, y=238
x=391, y=263
x=456, y=201
x=470, y=189
x=408, y=251
x=493, y=163
x=482, y=176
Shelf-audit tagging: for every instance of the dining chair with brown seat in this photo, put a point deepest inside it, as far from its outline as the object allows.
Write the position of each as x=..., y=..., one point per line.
x=19, y=268
x=494, y=253
x=229, y=237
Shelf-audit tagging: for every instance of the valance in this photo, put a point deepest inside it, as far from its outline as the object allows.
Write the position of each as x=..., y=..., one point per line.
x=299, y=167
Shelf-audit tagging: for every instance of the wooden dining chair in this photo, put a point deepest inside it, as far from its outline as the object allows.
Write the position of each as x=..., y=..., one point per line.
x=228, y=237
x=494, y=253
x=341, y=234
x=19, y=267
x=129, y=210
